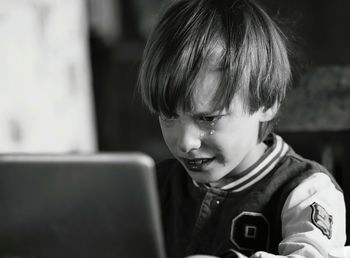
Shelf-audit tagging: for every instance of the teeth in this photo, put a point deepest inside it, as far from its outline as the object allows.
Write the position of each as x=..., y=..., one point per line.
x=197, y=162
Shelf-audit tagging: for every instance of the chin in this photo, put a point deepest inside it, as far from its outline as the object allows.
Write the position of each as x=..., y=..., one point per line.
x=204, y=177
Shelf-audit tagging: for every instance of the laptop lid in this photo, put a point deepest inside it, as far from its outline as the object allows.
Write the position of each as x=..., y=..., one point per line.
x=100, y=205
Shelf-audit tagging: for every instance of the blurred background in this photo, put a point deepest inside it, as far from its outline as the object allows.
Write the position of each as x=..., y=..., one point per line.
x=69, y=68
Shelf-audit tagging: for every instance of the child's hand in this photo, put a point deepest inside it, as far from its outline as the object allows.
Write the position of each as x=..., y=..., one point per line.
x=265, y=255
x=201, y=256
x=231, y=254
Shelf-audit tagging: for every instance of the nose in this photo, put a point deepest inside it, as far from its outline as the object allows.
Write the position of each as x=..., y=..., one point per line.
x=189, y=138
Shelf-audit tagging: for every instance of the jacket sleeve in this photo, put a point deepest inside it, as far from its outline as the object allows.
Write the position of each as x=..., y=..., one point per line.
x=313, y=219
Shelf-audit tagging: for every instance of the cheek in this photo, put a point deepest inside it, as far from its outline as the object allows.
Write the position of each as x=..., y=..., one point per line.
x=169, y=136
x=221, y=144
x=231, y=142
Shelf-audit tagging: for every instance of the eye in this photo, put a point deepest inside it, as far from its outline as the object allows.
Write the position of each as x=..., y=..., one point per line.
x=167, y=118
x=167, y=121
x=210, y=119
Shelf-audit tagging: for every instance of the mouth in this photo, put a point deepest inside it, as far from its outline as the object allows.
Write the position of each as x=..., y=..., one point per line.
x=197, y=164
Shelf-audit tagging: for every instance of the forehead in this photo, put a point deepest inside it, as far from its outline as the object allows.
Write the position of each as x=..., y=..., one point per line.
x=214, y=56
x=205, y=86
x=207, y=81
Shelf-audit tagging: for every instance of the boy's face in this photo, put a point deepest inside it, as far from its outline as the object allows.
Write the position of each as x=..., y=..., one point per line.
x=213, y=145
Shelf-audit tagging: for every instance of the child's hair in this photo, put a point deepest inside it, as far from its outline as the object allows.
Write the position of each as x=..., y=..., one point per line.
x=253, y=56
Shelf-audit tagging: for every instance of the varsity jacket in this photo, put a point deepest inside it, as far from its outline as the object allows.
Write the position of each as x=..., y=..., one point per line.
x=283, y=204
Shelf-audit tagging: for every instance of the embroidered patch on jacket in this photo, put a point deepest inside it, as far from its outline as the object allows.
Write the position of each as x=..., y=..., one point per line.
x=250, y=232
x=321, y=219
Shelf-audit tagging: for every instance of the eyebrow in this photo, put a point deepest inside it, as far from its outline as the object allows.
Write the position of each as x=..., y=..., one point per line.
x=207, y=113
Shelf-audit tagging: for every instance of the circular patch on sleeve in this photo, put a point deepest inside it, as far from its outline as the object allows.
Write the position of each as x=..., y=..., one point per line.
x=321, y=219
x=250, y=232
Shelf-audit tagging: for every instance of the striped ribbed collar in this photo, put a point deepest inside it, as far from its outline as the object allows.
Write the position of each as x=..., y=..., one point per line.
x=277, y=149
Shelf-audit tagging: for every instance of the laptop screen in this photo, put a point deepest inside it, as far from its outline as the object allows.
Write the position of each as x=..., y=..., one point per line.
x=101, y=205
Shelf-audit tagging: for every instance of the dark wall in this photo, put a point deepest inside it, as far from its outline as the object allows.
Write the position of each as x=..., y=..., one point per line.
x=321, y=27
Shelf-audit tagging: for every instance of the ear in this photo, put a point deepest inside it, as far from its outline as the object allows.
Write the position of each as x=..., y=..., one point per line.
x=268, y=114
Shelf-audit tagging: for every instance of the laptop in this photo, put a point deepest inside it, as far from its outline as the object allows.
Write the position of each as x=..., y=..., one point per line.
x=98, y=205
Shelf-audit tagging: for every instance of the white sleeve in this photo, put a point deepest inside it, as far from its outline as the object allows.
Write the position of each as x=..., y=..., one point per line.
x=313, y=219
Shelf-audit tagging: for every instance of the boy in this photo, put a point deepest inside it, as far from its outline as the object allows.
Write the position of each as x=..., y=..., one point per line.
x=216, y=72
